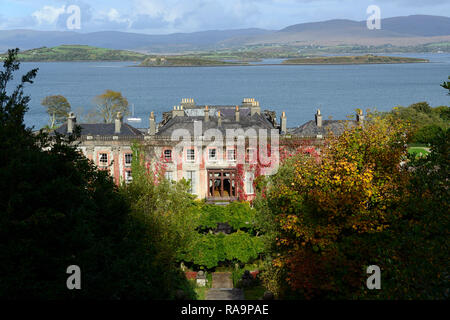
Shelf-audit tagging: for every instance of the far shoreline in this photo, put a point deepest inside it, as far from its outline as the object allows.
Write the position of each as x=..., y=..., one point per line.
x=228, y=65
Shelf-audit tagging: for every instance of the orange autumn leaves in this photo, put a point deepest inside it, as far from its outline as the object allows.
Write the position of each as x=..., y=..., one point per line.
x=354, y=189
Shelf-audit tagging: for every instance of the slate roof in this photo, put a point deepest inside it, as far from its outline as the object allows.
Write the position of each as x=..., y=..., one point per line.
x=310, y=129
x=102, y=129
x=227, y=115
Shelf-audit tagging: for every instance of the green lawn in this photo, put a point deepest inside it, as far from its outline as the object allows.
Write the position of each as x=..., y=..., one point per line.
x=418, y=151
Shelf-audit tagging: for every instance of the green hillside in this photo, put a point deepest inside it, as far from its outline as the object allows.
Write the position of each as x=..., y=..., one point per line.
x=183, y=61
x=79, y=53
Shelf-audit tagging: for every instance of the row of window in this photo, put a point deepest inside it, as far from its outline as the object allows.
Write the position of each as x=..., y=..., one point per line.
x=212, y=154
x=103, y=160
x=103, y=163
x=189, y=175
x=190, y=156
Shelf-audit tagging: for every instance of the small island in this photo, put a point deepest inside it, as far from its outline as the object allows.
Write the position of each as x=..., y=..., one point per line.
x=183, y=61
x=78, y=53
x=364, y=59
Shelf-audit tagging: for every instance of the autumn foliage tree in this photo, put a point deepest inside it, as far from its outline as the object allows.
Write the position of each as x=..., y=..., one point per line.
x=109, y=104
x=327, y=210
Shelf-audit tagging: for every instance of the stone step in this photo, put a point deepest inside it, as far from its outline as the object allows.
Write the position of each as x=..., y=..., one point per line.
x=222, y=280
x=225, y=294
x=219, y=203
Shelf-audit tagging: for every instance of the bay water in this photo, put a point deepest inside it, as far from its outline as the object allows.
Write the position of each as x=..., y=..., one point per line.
x=298, y=90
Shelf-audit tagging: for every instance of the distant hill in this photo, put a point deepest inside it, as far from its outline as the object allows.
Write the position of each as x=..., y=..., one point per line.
x=79, y=53
x=418, y=25
x=403, y=31
x=398, y=31
x=415, y=25
x=177, y=42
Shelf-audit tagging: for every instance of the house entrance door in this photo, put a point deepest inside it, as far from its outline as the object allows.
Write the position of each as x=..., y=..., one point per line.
x=222, y=184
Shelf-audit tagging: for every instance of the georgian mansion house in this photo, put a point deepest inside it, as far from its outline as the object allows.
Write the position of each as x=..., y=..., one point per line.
x=218, y=149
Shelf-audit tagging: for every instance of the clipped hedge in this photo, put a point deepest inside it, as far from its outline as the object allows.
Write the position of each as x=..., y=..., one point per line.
x=209, y=249
x=238, y=215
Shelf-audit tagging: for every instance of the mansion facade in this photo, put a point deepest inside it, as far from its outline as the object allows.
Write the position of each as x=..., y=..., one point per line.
x=216, y=148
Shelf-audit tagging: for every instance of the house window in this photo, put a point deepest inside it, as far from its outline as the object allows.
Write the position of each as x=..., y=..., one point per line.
x=231, y=154
x=249, y=177
x=249, y=155
x=168, y=155
x=190, y=155
x=212, y=154
x=103, y=159
x=128, y=159
x=190, y=176
x=128, y=177
x=168, y=175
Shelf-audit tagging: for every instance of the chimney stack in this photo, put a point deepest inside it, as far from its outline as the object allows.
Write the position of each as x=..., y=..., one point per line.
x=360, y=117
x=177, y=111
x=318, y=119
x=71, y=121
x=283, y=121
x=118, y=123
x=206, y=112
x=252, y=104
x=152, y=126
x=255, y=109
x=236, y=112
x=187, y=102
x=219, y=119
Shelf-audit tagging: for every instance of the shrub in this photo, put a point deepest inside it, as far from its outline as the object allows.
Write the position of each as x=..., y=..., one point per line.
x=209, y=247
x=427, y=134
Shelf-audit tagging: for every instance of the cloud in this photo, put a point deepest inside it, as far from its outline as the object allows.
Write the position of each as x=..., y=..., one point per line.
x=143, y=22
x=194, y=15
x=48, y=14
x=168, y=16
x=113, y=15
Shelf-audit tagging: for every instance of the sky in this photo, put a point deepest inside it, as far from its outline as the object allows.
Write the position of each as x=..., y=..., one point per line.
x=170, y=16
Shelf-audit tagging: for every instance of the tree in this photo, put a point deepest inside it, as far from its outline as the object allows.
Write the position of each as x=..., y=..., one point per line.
x=58, y=109
x=13, y=106
x=427, y=134
x=421, y=107
x=446, y=85
x=327, y=211
x=109, y=104
x=420, y=115
x=59, y=210
x=415, y=255
x=163, y=205
x=209, y=246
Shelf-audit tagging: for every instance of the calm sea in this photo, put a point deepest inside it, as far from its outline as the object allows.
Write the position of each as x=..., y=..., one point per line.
x=299, y=90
